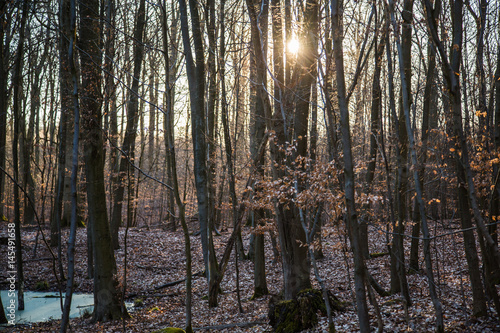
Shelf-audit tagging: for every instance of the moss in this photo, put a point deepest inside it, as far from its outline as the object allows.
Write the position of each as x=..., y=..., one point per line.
x=42, y=285
x=138, y=302
x=296, y=314
x=153, y=309
x=378, y=254
x=287, y=313
x=393, y=302
x=170, y=330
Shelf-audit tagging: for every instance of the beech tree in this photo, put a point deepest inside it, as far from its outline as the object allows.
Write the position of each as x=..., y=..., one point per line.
x=107, y=299
x=196, y=78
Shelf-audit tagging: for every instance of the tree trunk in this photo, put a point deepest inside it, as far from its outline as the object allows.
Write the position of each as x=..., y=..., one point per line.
x=429, y=122
x=128, y=146
x=466, y=195
x=172, y=165
x=4, y=51
x=375, y=122
x=65, y=118
x=257, y=131
x=495, y=198
x=107, y=302
x=418, y=187
x=211, y=111
x=17, y=83
x=196, y=81
x=74, y=173
x=350, y=215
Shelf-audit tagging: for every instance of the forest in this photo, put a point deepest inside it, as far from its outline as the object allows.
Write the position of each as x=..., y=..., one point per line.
x=251, y=165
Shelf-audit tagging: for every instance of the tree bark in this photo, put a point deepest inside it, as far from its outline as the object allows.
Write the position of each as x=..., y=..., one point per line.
x=350, y=215
x=128, y=146
x=418, y=187
x=74, y=173
x=172, y=163
x=107, y=301
x=4, y=51
x=257, y=131
x=196, y=82
x=17, y=83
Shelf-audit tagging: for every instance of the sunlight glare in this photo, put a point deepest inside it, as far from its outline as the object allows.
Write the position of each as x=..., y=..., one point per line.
x=293, y=46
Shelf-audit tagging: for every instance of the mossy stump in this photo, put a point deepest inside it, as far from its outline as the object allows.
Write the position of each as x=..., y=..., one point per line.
x=298, y=314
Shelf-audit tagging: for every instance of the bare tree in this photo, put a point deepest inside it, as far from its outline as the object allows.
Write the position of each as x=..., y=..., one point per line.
x=196, y=78
x=107, y=300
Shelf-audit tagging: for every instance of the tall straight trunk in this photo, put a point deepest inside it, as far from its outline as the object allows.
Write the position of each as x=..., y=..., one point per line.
x=466, y=195
x=257, y=131
x=495, y=198
x=350, y=215
x=108, y=304
x=65, y=118
x=110, y=110
x=429, y=123
x=128, y=146
x=260, y=285
x=170, y=44
x=4, y=51
x=196, y=82
x=212, y=90
x=398, y=280
x=16, y=108
x=482, y=109
x=171, y=160
x=153, y=97
x=418, y=187
x=74, y=173
x=375, y=111
x=375, y=123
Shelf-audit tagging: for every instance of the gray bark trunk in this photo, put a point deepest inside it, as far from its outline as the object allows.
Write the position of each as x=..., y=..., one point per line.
x=351, y=216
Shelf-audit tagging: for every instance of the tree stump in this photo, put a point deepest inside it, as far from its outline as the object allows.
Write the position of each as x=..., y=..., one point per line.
x=299, y=313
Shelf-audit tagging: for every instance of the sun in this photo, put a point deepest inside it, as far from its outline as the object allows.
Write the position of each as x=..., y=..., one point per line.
x=293, y=45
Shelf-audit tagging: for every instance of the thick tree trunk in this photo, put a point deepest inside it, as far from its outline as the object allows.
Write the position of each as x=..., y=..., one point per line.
x=257, y=131
x=107, y=302
x=294, y=257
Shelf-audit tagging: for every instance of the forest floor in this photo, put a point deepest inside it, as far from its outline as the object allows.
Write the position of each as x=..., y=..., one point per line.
x=155, y=257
